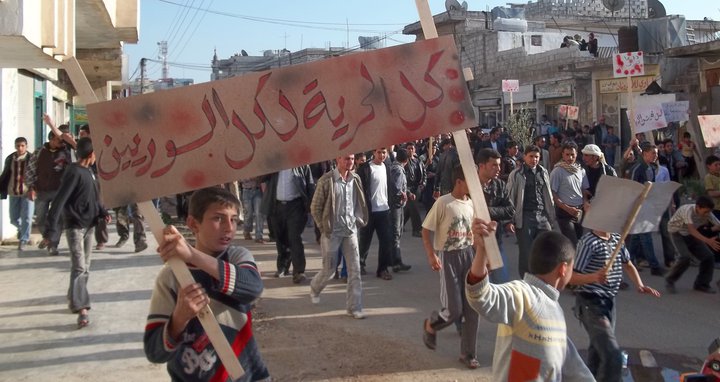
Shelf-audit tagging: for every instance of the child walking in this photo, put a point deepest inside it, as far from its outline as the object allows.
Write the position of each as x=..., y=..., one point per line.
x=451, y=254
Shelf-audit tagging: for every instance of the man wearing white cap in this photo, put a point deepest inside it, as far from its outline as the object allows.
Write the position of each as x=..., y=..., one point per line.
x=595, y=166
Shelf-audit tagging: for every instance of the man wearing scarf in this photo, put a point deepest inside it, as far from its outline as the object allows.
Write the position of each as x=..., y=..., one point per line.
x=569, y=185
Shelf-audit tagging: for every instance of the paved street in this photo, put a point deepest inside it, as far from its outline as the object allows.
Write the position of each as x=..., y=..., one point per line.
x=301, y=341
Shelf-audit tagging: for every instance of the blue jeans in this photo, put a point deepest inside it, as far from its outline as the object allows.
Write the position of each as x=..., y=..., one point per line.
x=397, y=222
x=597, y=315
x=251, y=199
x=80, y=245
x=525, y=237
x=643, y=242
x=21, y=215
x=42, y=207
x=500, y=275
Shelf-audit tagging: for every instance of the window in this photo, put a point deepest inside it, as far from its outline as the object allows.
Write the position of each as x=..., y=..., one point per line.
x=536, y=40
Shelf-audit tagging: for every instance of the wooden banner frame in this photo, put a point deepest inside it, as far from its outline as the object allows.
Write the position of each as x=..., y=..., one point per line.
x=463, y=147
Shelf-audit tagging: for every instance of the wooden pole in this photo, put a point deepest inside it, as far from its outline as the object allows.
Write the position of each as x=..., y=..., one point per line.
x=463, y=148
x=628, y=225
x=179, y=268
x=512, y=110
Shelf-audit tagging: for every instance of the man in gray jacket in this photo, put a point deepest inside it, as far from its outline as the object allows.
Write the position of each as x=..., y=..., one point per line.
x=338, y=208
x=529, y=188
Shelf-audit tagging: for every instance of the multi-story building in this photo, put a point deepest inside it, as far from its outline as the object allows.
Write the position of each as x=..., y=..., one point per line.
x=35, y=37
x=523, y=42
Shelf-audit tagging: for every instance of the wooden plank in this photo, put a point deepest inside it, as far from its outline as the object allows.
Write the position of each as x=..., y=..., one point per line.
x=197, y=136
x=465, y=154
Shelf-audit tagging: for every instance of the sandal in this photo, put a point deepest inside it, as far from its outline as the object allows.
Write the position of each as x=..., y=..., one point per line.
x=429, y=339
x=83, y=320
x=469, y=361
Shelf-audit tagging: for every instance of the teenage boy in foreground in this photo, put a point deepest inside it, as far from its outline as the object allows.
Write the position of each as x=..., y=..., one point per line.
x=226, y=278
x=532, y=342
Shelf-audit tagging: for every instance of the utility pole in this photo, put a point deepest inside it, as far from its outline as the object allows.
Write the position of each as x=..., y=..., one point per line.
x=142, y=75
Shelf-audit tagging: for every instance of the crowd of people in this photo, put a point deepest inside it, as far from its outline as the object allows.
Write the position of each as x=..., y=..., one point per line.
x=538, y=192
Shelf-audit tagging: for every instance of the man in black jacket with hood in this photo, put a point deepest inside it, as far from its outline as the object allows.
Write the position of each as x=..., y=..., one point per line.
x=77, y=200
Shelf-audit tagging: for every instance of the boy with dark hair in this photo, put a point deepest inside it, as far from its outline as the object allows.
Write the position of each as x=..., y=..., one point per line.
x=43, y=174
x=688, y=241
x=451, y=254
x=13, y=184
x=532, y=342
x=595, y=298
x=78, y=201
x=226, y=278
x=529, y=189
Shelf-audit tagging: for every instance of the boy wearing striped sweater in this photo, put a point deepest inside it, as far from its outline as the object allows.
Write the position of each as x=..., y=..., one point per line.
x=595, y=299
x=226, y=278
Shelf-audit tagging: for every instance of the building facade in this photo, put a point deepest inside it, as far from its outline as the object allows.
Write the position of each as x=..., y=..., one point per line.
x=35, y=37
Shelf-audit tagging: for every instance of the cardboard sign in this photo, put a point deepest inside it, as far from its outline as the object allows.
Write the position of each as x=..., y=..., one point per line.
x=184, y=139
x=510, y=86
x=647, y=118
x=614, y=200
x=628, y=64
x=710, y=126
x=569, y=112
x=677, y=111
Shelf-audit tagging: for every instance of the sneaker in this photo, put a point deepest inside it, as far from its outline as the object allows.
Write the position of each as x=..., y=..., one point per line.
x=21, y=246
x=358, y=315
x=470, y=361
x=53, y=251
x=260, y=241
x=417, y=234
x=121, y=242
x=247, y=236
x=659, y=271
x=280, y=273
x=363, y=272
x=314, y=298
x=704, y=289
x=139, y=247
x=385, y=275
x=670, y=287
x=100, y=246
x=298, y=278
x=43, y=244
x=401, y=267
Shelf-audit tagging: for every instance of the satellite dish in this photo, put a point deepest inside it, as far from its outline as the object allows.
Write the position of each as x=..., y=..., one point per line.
x=613, y=5
x=453, y=5
x=464, y=6
x=656, y=9
x=243, y=52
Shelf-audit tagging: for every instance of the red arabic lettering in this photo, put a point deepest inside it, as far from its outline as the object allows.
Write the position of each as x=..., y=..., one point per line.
x=416, y=124
x=171, y=152
x=260, y=113
x=240, y=125
x=318, y=101
x=364, y=73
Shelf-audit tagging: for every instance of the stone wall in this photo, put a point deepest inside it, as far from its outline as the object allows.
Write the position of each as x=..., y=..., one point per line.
x=543, y=8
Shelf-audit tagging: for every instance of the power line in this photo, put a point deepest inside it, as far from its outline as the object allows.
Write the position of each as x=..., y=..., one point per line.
x=182, y=21
x=179, y=52
x=341, y=26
